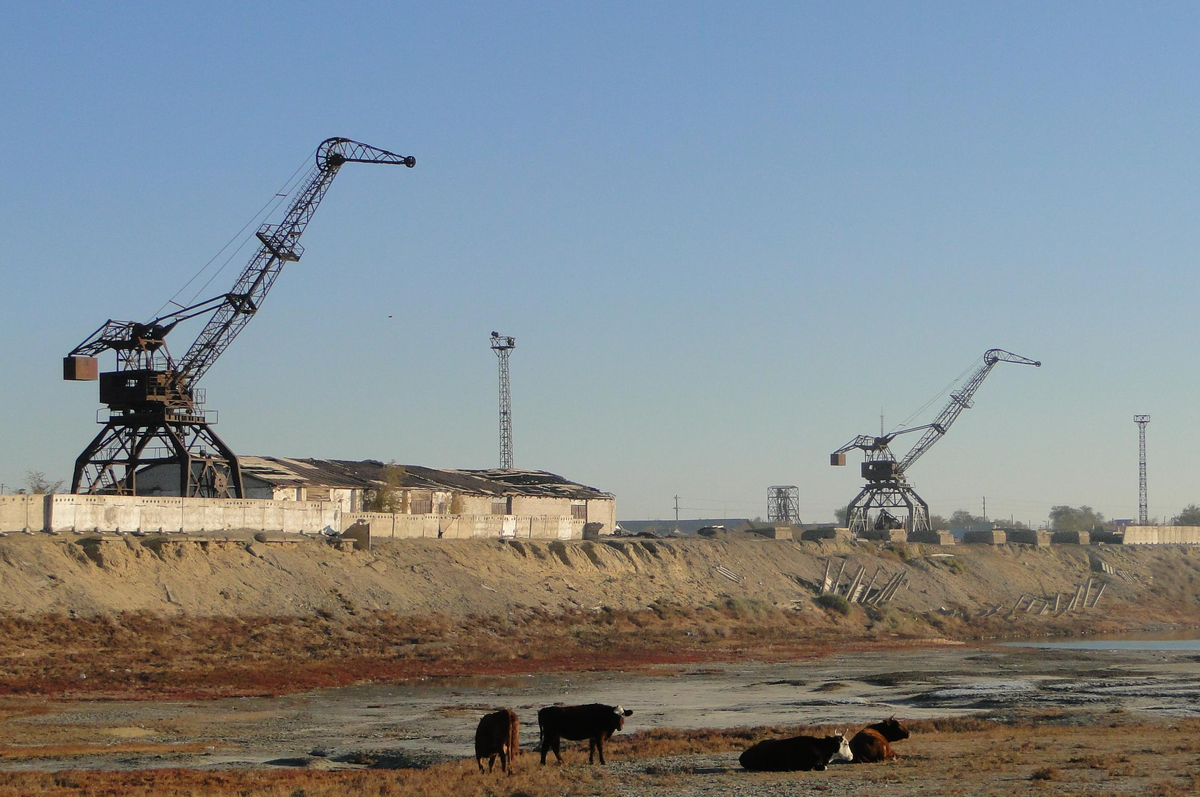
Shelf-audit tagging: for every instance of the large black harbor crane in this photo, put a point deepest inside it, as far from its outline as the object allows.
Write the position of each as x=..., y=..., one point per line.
x=888, y=501
x=156, y=412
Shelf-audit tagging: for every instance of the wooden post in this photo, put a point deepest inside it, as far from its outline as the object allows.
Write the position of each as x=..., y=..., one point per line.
x=855, y=583
x=837, y=582
x=867, y=592
x=825, y=580
x=1096, y=600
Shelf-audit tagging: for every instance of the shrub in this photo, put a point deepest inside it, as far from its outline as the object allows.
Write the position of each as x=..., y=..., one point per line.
x=837, y=603
x=1046, y=773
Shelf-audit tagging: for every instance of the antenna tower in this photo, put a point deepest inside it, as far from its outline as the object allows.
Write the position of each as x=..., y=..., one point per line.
x=783, y=504
x=1143, y=506
x=503, y=345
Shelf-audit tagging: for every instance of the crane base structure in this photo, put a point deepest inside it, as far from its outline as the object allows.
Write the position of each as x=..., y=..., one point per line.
x=206, y=467
x=887, y=505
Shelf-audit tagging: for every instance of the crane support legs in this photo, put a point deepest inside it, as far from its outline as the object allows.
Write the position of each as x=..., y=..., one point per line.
x=178, y=448
x=872, y=509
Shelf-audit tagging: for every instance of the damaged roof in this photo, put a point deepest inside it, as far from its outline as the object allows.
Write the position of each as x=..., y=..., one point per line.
x=371, y=474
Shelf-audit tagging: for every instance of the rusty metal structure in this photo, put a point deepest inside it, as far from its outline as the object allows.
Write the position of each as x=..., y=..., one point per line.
x=503, y=346
x=783, y=504
x=156, y=411
x=888, y=501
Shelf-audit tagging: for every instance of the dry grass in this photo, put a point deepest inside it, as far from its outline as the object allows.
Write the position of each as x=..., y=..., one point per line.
x=1021, y=757
x=459, y=779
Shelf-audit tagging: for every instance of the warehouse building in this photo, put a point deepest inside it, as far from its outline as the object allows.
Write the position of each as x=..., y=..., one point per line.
x=373, y=486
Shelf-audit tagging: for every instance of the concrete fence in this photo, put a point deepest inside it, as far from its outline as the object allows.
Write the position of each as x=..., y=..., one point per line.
x=1162, y=535
x=64, y=513
x=541, y=527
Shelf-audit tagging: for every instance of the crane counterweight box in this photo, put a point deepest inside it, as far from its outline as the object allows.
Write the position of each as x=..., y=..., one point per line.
x=80, y=369
x=838, y=458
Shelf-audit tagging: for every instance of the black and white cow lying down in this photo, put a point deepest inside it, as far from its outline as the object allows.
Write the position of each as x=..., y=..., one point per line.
x=796, y=753
x=594, y=722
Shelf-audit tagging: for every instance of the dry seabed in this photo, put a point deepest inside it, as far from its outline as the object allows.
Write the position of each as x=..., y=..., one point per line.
x=430, y=721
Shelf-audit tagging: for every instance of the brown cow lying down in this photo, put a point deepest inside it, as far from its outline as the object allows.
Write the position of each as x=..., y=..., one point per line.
x=594, y=722
x=798, y=753
x=497, y=735
x=871, y=744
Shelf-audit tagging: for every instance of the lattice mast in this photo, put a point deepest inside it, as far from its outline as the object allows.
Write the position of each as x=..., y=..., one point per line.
x=1143, y=504
x=503, y=346
x=783, y=504
x=155, y=409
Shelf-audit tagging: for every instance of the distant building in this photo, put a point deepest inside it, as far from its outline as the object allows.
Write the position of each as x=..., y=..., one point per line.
x=415, y=490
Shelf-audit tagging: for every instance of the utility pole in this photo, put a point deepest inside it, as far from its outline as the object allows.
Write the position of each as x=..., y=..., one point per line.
x=985, y=507
x=503, y=346
x=677, y=513
x=1143, y=506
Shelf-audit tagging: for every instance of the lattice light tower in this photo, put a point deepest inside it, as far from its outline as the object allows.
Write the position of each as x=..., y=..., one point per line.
x=503, y=345
x=783, y=504
x=1143, y=505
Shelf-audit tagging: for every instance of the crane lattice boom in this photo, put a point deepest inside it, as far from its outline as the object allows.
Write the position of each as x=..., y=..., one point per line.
x=153, y=401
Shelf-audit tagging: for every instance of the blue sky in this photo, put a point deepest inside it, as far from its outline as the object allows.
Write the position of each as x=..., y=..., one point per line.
x=725, y=235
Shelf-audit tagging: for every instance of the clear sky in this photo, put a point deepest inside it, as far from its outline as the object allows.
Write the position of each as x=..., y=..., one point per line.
x=724, y=235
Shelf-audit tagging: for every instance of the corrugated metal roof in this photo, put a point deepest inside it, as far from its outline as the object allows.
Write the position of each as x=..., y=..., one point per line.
x=370, y=474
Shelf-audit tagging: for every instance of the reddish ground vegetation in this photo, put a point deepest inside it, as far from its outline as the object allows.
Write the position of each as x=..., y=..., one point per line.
x=144, y=656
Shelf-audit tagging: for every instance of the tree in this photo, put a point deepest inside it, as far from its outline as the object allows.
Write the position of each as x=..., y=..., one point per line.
x=388, y=497
x=37, y=483
x=962, y=519
x=1190, y=516
x=842, y=515
x=1069, y=518
x=939, y=523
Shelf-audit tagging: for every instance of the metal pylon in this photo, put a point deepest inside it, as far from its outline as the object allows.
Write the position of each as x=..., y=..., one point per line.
x=1143, y=505
x=503, y=346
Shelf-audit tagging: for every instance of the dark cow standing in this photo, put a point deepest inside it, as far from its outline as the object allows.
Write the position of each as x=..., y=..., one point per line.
x=797, y=753
x=872, y=743
x=497, y=735
x=594, y=722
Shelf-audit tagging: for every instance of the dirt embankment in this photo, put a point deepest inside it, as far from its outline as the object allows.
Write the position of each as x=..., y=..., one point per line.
x=218, y=577
x=245, y=617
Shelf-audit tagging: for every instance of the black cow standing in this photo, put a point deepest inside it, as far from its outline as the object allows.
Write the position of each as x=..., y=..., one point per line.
x=594, y=722
x=797, y=753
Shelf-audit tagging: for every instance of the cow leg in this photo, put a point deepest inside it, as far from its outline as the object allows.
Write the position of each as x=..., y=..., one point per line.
x=600, y=748
x=479, y=761
x=592, y=751
x=550, y=744
x=503, y=760
x=491, y=761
